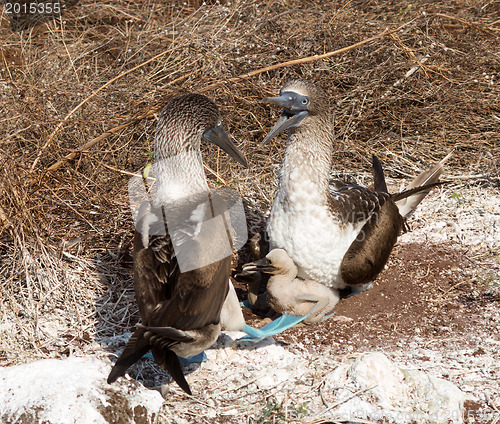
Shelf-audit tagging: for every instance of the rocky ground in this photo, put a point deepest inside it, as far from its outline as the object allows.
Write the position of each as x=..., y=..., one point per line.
x=80, y=94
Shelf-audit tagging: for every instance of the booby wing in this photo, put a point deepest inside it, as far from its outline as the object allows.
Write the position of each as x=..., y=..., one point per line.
x=370, y=251
x=170, y=301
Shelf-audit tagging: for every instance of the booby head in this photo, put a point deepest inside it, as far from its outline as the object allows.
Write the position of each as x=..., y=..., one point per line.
x=276, y=262
x=299, y=99
x=188, y=119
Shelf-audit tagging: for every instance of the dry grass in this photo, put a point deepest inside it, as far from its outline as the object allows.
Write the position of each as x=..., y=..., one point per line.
x=65, y=235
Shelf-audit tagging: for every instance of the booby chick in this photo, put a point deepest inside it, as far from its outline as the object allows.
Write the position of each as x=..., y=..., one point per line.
x=287, y=294
x=181, y=311
x=338, y=234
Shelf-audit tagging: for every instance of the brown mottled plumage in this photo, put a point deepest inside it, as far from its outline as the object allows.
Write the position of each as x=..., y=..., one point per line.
x=180, y=311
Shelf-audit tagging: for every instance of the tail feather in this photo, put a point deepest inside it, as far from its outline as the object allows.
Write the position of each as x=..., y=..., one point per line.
x=173, y=366
x=140, y=344
x=170, y=333
x=405, y=194
x=378, y=176
x=136, y=348
x=419, y=188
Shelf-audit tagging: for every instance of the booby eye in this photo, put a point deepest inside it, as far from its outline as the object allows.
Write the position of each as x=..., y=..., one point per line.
x=305, y=101
x=219, y=122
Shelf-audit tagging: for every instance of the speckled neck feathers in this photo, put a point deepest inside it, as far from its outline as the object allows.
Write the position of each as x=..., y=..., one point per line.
x=179, y=166
x=308, y=156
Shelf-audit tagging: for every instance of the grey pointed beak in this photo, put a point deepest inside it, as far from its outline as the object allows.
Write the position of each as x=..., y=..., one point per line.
x=285, y=101
x=262, y=265
x=219, y=137
x=292, y=115
x=284, y=122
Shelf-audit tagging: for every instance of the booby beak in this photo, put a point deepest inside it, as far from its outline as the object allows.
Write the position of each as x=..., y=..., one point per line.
x=262, y=265
x=219, y=137
x=294, y=111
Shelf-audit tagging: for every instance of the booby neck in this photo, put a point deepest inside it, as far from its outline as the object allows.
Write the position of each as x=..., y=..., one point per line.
x=179, y=176
x=182, y=125
x=308, y=156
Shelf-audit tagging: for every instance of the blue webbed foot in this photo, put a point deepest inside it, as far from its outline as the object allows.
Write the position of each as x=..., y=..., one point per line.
x=284, y=322
x=246, y=304
x=201, y=357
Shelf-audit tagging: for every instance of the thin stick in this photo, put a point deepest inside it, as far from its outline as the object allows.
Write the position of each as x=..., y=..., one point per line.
x=302, y=60
x=152, y=110
x=350, y=397
x=452, y=288
x=481, y=27
x=4, y=220
x=149, y=112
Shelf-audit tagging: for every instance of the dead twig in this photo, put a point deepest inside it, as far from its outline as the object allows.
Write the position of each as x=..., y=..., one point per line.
x=355, y=394
x=452, y=288
x=102, y=87
x=420, y=62
x=481, y=27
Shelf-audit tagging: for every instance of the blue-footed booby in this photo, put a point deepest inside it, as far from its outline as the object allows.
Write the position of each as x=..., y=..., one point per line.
x=337, y=234
x=182, y=297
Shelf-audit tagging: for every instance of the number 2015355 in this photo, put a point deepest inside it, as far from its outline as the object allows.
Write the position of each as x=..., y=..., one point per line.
x=19, y=9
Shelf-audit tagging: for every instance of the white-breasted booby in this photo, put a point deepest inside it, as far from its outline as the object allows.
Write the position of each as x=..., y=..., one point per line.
x=180, y=311
x=338, y=234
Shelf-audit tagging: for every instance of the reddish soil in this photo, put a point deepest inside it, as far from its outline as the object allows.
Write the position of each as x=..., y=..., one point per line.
x=425, y=290
x=429, y=296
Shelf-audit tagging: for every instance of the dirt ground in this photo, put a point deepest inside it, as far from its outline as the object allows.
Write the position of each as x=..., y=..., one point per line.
x=430, y=300
x=428, y=291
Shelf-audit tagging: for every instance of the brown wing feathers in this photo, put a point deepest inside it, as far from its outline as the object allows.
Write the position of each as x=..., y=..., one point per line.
x=369, y=252
x=170, y=302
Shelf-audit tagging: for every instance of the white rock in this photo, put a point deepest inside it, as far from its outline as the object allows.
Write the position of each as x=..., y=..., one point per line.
x=73, y=390
x=440, y=398
x=372, y=387
x=375, y=369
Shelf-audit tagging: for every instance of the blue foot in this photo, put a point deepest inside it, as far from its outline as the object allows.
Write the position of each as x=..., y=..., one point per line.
x=196, y=359
x=284, y=322
x=327, y=316
x=360, y=289
x=246, y=304
x=201, y=357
